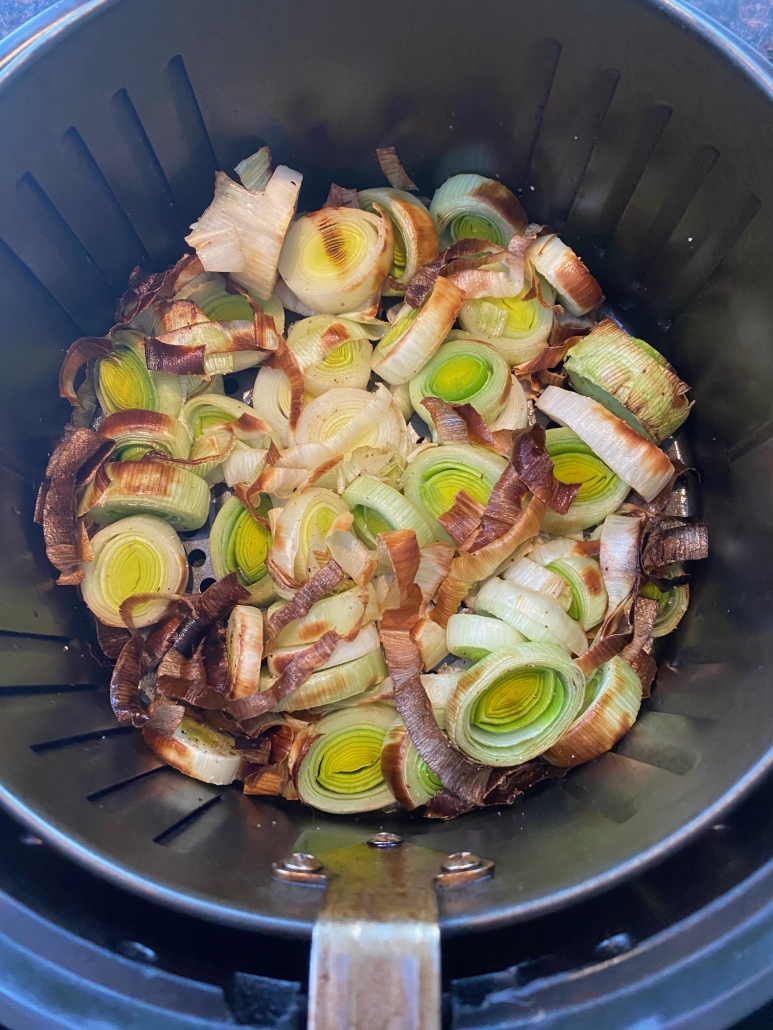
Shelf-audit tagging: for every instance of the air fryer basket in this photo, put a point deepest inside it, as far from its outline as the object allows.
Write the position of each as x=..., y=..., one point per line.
x=632, y=128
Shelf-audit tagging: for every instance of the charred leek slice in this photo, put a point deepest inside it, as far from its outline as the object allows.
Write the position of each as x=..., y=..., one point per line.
x=515, y=703
x=239, y=543
x=299, y=534
x=244, y=644
x=341, y=420
x=672, y=603
x=379, y=508
x=463, y=372
x=518, y=328
x=341, y=771
x=346, y=651
x=601, y=491
x=335, y=683
x=435, y=476
x=409, y=777
x=610, y=706
x=473, y=207
x=136, y=432
x=152, y=488
x=336, y=259
x=537, y=616
x=415, y=336
x=138, y=555
x=271, y=402
x=630, y=378
x=635, y=460
x=416, y=242
x=341, y=612
x=589, y=595
x=197, y=750
x=578, y=290
x=475, y=636
x=332, y=352
x=122, y=380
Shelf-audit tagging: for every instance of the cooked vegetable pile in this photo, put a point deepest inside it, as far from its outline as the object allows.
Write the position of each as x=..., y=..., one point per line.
x=438, y=616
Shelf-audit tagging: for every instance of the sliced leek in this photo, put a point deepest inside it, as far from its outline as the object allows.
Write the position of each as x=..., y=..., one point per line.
x=435, y=476
x=537, y=616
x=244, y=644
x=589, y=595
x=516, y=327
x=136, y=432
x=169, y=492
x=299, y=547
x=473, y=207
x=332, y=352
x=122, y=380
x=341, y=771
x=463, y=372
x=239, y=543
x=601, y=491
x=672, y=603
x=515, y=703
x=379, y=508
x=210, y=293
x=527, y=573
x=409, y=777
x=578, y=290
x=341, y=612
x=271, y=401
x=198, y=750
x=346, y=651
x=138, y=555
x=333, y=683
x=415, y=236
x=475, y=636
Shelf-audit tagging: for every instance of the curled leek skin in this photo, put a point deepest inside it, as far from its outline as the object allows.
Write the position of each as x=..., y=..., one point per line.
x=332, y=352
x=346, y=651
x=515, y=703
x=328, y=685
x=239, y=543
x=136, y=432
x=463, y=372
x=409, y=777
x=475, y=636
x=138, y=555
x=341, y=771
x=209, y=293
x=122, y=380
x=474, y=207
x=537, y=616
x=336, y=259
x=416, y=334
x=415, y=236
x=299, y=534
x=631, y=379
x=341, y=612
x=333, y=418
x=609, y=709
x=601, y=491
x=672, y=603
x=271, y=398
x=518, y=328
x=435, y=476
x=210, y=410
x=169, y=492
x=198, y=750
x=379, y=508
x=589, y=595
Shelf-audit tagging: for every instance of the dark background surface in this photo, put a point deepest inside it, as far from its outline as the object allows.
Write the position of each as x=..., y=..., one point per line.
x=753, y=21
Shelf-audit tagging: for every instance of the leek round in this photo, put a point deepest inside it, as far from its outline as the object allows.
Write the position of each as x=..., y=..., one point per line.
x=475, y=636
x=341, y=612
x=601, y=491
x=514, y=704
x=435, y=476
x=409, y=777
x=341, y=420
x=239, y=543
x=589, y=595
x=416, y=334
x=533, y=576
x=244, y=645
x=345, y=651
x=555, y=261
x=415, y=236
x=122, y=380
x=463, y=372
x=379, y=508
x=299, y=533
x=332, y=352
x=335, y=260
x=138, y=555
x=610, y=706
x=537, y=616
x=271, y=401
x=333, y=683
x=672, y=603
x=136, y=432
x=198, y=750
x=209, y=293
x=473, y=207
x=518, y=328
x=169, y=492
x=341, y=771
x=630, y=378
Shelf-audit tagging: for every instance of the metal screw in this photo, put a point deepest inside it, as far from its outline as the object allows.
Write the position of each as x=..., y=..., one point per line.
x=385, y=840
x=461, y=862
x=299, y=862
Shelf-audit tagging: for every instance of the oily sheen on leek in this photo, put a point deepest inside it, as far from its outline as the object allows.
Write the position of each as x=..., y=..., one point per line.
x=636, y=461
x=408, y=776
x=463, y=372
x=518, y=328
x=138, y=555
x=379, y=508
x=341, y=771
x=198, y=750
x=435, y=476
x=415, y=236
x=474, y=207
x=609, y=709
x=601, y=491
x=515, y=703
x=475, y=636
x=335, y=260
x=239, y=543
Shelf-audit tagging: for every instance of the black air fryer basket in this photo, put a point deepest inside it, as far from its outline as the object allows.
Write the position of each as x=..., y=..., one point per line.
x=639, y=133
